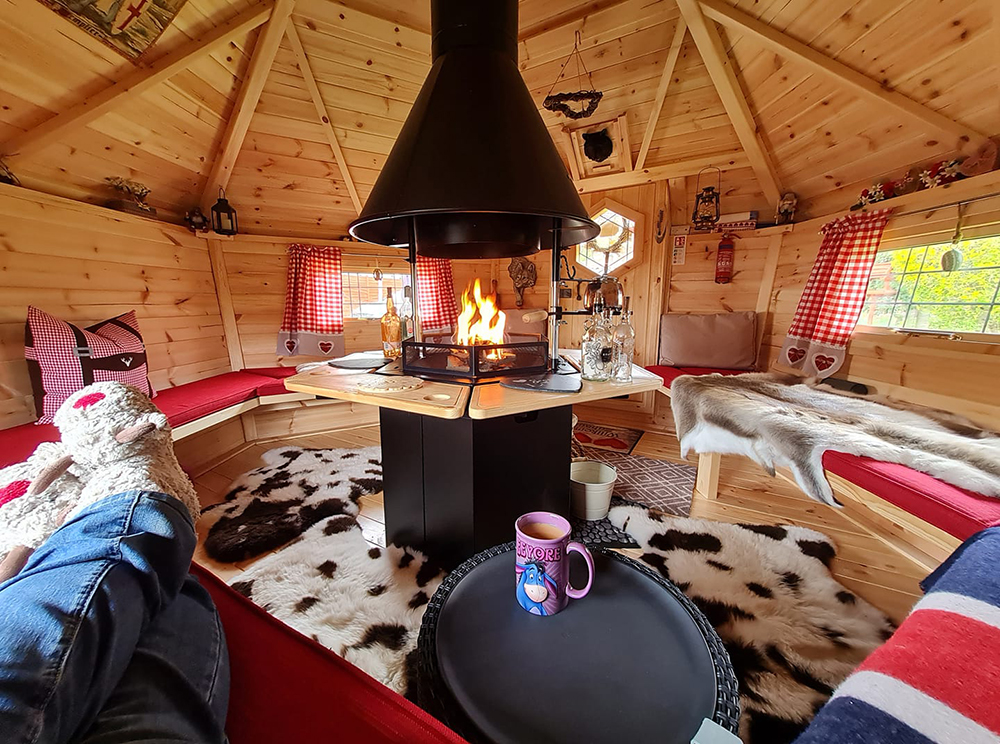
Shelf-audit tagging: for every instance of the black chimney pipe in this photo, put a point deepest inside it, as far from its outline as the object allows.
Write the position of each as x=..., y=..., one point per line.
x=474, y=172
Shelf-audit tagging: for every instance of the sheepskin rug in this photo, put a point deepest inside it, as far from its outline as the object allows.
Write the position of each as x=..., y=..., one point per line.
x=364, y=603
x=793, y=633
x=294, y=489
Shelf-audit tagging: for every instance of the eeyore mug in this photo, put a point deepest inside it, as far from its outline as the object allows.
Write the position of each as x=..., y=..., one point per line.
x=542, y=563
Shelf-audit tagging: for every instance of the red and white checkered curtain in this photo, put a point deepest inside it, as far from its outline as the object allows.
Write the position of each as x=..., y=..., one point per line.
x=313, y=323
x=436, y=295
x=834, y=294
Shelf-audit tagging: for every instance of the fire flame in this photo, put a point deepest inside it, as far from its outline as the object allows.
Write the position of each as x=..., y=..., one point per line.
x=481, y=322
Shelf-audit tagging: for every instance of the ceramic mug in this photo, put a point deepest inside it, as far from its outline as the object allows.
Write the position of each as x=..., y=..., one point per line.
x=542, y=563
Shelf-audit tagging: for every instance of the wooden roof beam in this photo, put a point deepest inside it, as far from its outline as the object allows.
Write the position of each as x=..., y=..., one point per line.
x=720, y=68
x=676, y=169
x=859, y=83
x=132, y=85
x=661, y=91
x=261, y=61
x=321, y=113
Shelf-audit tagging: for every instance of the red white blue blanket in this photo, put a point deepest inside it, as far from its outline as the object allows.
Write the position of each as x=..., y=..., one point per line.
x=938, y=678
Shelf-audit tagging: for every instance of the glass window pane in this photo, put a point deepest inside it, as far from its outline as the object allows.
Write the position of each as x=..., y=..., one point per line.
x=967, y=318
x=916, y=259
x=906, y=286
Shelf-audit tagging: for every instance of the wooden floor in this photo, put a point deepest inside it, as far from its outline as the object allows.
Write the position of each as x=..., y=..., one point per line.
x=865, y=564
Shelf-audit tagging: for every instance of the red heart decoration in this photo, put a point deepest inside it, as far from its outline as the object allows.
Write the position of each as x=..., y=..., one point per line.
x=14, y=490
x=325, y=347
x=613, y=443
x=85, y=401
x=290, y=345
x=795, y=354
x=823, y=362
x=581, y=437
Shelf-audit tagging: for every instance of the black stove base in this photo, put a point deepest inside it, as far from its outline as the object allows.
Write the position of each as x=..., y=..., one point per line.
x=455, y=487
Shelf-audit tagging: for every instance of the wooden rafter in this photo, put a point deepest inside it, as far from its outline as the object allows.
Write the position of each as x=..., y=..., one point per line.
x=679, y=168
x=321, y=112
x=246, y=101
x=720, y=69
x=859, y=83
x=661, y=91
x=132, y=85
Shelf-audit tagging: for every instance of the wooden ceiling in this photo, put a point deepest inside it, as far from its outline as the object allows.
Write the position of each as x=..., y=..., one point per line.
x=295, y=104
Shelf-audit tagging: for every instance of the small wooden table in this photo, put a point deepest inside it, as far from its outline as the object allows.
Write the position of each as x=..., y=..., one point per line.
x=460, y=463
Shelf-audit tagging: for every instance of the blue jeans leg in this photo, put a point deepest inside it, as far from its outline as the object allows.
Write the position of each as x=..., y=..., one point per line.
x=176, y=687
x=71, y=620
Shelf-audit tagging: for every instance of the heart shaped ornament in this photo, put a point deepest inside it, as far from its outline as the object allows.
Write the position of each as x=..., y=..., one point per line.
x=823, y=362
x=795, y=354
x=290, y=345
x=326, y=347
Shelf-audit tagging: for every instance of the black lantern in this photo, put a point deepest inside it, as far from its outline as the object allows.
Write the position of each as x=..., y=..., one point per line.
x=706, y=204
x=196, y=221
x=224, y=216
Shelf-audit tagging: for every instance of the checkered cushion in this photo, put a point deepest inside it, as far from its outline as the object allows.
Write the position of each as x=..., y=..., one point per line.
x=63, y=359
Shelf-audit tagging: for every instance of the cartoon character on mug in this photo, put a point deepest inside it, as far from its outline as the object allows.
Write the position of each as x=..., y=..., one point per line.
x=531, y=586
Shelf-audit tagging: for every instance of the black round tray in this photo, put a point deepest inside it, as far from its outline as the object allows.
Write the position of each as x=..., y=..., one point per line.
x=638, y=663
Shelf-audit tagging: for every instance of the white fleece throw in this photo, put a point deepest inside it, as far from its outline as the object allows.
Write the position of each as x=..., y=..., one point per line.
x=364, y=603
x=792, y=631
x=774, y=423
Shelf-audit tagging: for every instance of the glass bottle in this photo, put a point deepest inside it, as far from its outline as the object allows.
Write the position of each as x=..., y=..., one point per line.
x=392, y=331
x=406, y=313
x=623, y=340
x=595, y=349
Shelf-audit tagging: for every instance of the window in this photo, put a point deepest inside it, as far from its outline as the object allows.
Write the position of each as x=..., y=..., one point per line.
x=910, y=289
x=613, y=248
x=364, y=295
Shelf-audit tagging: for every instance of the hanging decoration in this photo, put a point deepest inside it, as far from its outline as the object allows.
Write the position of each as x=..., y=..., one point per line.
x=951, y=259
x=559, y=102
x=196, y=221
x=523, y=274
x=725, y=258
x=706, y=203
x=132, y=196
x=602, y=244
x=7, y=175
x=224, y=221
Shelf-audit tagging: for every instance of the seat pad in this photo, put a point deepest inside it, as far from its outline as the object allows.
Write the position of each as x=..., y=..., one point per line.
x=669, y=374
x=957, y=511
x=185, y=403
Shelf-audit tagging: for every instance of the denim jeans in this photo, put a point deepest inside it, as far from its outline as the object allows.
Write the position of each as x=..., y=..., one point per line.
x=105, y=637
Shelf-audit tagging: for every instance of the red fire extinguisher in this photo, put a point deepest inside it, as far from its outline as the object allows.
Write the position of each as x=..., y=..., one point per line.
x=724, y=259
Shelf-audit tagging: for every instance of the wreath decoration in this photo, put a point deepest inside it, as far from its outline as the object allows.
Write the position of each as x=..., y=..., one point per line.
x=559, y=103
x=623, y=235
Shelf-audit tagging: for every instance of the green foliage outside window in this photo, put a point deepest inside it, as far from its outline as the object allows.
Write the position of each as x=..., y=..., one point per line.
x=909, y=289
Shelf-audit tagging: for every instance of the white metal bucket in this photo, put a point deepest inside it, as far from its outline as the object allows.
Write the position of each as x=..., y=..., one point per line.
x=591, y=483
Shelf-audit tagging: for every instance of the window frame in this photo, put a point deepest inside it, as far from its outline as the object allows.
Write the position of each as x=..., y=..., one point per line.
x=638, y=235
x=863, y=329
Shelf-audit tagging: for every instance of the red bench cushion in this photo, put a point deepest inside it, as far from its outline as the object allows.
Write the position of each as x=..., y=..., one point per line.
x=276, y=384
x=958, y=512
x=669, y=374
x=288, y=688
x=194, y=400
x=18, y=443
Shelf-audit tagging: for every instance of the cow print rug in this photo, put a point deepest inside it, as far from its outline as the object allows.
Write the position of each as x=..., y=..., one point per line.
x=793, y=633
x=362, y=602
x=294, y=489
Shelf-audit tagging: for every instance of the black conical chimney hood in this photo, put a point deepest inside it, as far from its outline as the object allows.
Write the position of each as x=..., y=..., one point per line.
x=474, y=172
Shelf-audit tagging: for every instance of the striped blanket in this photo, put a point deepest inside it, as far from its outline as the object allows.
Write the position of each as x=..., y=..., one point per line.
x=937, y=680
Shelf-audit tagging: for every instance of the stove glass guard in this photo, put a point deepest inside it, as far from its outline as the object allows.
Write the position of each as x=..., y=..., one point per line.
x=470, y=364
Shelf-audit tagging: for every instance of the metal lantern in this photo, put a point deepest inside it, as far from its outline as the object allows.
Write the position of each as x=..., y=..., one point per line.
x=706, y=204
x=224, y=220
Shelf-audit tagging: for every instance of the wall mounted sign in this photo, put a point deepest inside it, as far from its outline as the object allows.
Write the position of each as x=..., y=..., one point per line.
x=129, y=27
x=679, y=253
